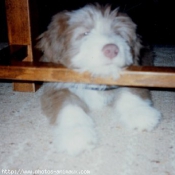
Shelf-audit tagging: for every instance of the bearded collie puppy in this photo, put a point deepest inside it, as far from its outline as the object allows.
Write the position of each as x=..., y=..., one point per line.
x=101, y=41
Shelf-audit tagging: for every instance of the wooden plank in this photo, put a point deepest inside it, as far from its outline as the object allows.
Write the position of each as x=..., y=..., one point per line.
x=163, y=77
x=19, y=32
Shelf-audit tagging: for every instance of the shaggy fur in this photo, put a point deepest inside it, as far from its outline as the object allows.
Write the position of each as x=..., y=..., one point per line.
x=101, y=41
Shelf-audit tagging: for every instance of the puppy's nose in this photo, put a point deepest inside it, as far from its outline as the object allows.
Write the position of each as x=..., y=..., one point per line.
x=110, y=50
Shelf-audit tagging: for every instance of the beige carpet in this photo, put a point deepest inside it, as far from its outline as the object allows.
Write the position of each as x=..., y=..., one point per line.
x=26, y=140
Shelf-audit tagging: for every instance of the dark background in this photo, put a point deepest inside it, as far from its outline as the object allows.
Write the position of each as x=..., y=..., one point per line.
x=155, y=18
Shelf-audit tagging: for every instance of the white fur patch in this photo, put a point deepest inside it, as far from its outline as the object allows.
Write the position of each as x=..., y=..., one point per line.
x=74, y=132
x=135, y=113
x=94, y=99
x=91, y=58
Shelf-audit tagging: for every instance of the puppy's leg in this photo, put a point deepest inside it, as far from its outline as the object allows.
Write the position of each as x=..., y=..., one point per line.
x=73, y=128
x=134, y=108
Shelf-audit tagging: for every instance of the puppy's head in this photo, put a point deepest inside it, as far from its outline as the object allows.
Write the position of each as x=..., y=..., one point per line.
x=93, y=38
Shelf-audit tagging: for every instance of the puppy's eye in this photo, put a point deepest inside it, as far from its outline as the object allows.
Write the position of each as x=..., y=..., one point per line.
x=82, y=35
x=86, y=33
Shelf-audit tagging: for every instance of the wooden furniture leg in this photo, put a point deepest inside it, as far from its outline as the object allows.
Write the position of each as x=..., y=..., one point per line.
x=19, y=33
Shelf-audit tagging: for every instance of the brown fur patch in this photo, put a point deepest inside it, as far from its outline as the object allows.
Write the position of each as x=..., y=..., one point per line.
x=54, y=100
x=54, y=42
x=141, y=92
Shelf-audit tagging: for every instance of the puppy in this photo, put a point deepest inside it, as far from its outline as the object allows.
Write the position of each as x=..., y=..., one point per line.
x=101, y=41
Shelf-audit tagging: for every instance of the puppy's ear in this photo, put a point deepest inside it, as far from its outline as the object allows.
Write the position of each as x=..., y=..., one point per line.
x=51, y=42
x=127, y=29
x=135, y=49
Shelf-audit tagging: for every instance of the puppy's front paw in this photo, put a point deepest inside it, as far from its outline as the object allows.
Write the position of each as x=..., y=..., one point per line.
x=75, y=140
x=141, y=118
